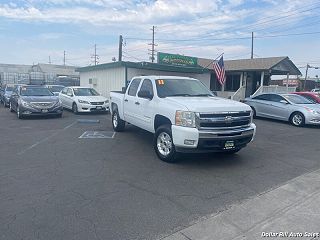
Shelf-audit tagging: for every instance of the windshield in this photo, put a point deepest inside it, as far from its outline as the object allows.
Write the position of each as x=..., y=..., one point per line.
x=55, y=88
x=85, y=92
x=181, y=87
x=9, y=89
x=296, y=99
x=35, y=91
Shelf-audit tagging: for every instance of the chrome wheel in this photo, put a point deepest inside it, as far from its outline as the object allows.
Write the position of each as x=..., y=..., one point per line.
x=297, y=119
x=115, y=120
x=164, y=144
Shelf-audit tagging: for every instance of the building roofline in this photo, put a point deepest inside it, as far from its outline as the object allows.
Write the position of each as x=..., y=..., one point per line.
x=143, y=65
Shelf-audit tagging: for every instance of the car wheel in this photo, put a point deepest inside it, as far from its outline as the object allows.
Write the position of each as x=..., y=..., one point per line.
x=74, y=108
x=19, y=115
x=297, y=119
x=163, y=144
x=117, y=123
x=10, y=107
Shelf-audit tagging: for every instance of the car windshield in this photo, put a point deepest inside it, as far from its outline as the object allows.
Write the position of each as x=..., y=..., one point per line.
x=296, y=99
x=55, y=88
x=181, y=87
x=35, y=91
x=9, y=89
x=85, y=92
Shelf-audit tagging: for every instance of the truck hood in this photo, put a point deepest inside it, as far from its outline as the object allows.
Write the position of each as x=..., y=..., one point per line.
x=209, y=104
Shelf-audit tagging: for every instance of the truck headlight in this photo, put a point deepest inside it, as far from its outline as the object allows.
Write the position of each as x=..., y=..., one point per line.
x=185, y=119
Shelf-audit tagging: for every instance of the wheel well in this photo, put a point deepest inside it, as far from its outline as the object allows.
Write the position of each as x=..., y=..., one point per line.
x=114, y=106
x=160, y=120
x=294, y=113
x=254, y=111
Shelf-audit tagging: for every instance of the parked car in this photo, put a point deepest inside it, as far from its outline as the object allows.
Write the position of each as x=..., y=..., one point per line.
x=312, y=96
x=83, y=99
x=34, y=100
x=55, y=89
x=6, y=94
x=316, y=90
x=287, y=107
x=184, y=116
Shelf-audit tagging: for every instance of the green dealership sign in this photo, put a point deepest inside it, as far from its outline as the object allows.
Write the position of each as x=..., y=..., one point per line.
x=178, y=60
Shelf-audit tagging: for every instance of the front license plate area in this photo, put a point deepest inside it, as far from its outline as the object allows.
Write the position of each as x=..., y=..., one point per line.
x=44, y=110
x=99, y=108
x=229, y=145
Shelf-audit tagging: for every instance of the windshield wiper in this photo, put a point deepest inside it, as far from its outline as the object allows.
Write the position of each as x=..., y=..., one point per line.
x=180, y=95
x=202, y=95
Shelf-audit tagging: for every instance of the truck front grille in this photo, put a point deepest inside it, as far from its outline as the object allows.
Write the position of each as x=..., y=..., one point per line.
x=223, y=120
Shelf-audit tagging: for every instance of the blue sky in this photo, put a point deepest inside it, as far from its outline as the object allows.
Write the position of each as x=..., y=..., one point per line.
x=33, y=30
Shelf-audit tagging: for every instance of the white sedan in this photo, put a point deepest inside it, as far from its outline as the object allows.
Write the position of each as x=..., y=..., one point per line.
x=83, y=99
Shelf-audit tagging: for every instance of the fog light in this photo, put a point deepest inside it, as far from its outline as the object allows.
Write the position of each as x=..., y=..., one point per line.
x=189, y=142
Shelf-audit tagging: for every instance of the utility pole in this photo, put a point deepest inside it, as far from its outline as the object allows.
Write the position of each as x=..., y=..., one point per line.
x=305, y=77
x=251, y=45
x=95, y=57
x=49, y=60
x=64, y=58
x=152, y=45
x=120, y=48
x=95, y=54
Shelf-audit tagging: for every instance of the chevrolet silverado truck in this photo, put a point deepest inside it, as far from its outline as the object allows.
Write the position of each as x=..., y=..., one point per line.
x=183, y=114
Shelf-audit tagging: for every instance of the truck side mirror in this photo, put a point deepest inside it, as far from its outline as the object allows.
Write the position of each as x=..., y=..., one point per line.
x=145, y=94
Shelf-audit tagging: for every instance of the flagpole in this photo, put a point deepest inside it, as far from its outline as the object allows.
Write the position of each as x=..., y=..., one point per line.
x=212, y=61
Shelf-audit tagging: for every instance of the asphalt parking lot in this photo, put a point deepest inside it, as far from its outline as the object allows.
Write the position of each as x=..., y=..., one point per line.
x=55, y=185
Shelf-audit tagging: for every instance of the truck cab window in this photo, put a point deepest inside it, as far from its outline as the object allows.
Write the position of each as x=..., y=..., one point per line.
x=147, y=86
x=134, y=87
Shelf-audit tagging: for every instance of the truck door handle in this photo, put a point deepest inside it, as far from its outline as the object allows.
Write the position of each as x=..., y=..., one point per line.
x=137, y=103
x=126, y=100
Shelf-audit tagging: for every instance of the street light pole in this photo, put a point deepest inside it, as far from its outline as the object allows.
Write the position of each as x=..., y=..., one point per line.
x=305, y=77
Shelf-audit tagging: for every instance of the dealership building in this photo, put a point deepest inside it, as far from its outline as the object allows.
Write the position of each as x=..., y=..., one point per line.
x=244, y=77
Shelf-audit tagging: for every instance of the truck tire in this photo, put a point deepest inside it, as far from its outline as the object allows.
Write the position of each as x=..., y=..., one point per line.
x=163, y=144
x=117, y=123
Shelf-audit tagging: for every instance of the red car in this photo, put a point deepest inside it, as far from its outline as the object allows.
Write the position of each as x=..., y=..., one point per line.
x=312, y=96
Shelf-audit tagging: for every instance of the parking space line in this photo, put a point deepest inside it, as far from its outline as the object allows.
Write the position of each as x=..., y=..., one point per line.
x=45, y=139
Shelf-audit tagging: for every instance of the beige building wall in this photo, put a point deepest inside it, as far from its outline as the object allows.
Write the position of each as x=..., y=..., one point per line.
x=104, y=80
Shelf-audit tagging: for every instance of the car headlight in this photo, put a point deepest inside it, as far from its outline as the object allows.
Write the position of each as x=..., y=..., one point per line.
x=185, y=119
x=58, y=103
x=83, y=101
x=25, y=104
x=312, y=111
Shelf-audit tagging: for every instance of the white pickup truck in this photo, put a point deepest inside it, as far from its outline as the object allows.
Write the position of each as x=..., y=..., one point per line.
x=184, y=115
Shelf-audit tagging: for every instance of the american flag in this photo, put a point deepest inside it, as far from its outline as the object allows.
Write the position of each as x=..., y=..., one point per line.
x=220, y=71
